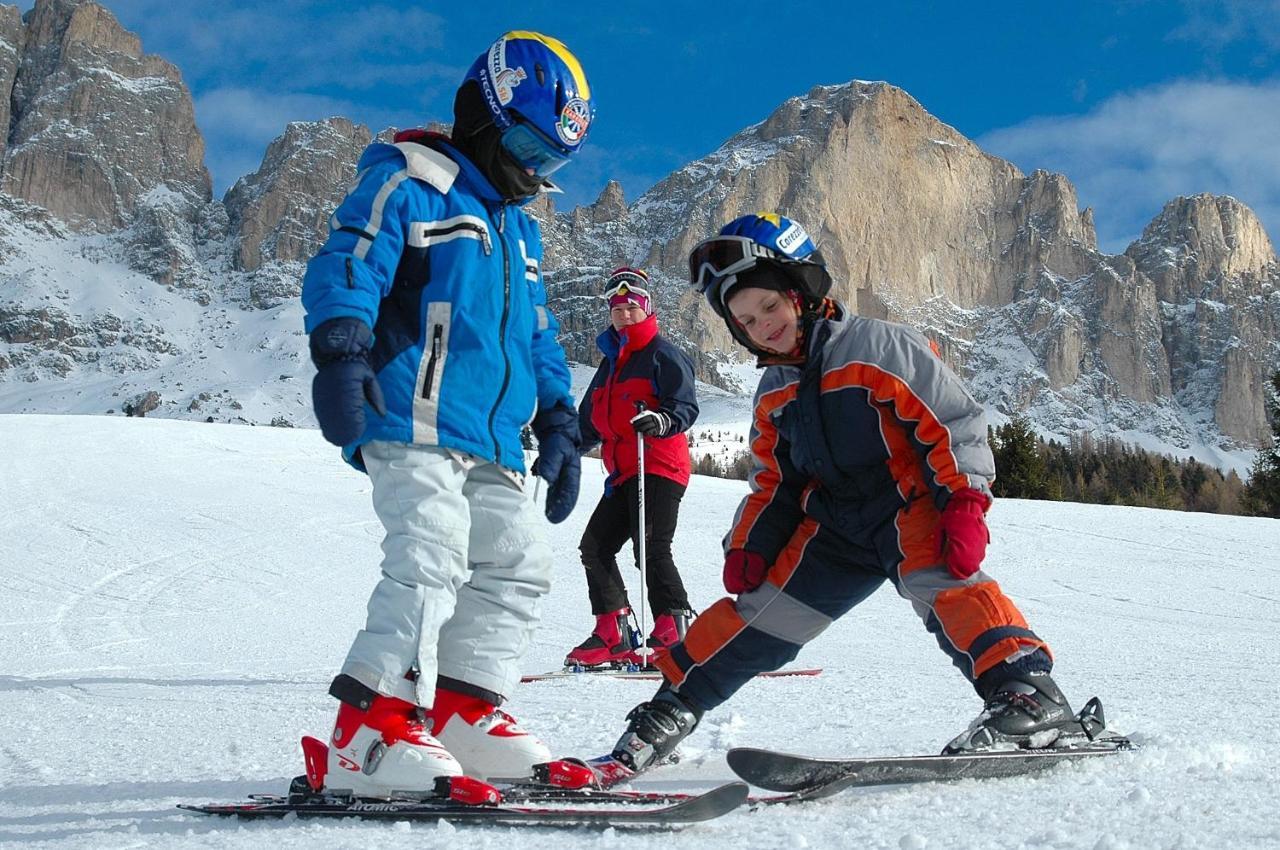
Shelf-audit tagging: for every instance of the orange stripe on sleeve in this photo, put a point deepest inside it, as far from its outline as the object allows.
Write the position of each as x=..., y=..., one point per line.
x=769, y=475
x=789, y=558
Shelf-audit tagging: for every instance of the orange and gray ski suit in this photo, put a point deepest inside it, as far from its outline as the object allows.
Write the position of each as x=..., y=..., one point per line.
x=855, y=453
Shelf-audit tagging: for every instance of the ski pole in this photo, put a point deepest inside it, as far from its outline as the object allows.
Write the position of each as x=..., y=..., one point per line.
x=643, y=650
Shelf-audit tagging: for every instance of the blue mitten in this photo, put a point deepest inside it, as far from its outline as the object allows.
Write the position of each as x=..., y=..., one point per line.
x=344, y=380
x=558, y=462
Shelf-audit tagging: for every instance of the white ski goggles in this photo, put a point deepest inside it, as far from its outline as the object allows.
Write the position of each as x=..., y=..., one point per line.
x=625, y=283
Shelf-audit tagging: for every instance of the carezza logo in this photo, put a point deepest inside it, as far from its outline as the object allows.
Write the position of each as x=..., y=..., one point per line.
x=504, y=79
x=791, y=238
x=573, y=122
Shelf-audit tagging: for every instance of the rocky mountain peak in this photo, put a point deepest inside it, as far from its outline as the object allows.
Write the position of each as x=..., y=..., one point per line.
x=81, y=85
x=1203, y=240
x=611, y=205
x=281, y=211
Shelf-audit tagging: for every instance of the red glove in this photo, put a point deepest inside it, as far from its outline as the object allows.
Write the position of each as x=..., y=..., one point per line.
x=962, y=532
x=743, y=570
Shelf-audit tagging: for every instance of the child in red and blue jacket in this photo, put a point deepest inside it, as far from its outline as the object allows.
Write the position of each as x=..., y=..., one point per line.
x=643, y=389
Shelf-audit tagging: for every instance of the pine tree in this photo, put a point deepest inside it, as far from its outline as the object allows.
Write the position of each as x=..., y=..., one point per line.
x=1262, y=495
x=1020, y=469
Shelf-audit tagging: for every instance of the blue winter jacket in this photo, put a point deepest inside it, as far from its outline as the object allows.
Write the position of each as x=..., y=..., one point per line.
x=448, y=275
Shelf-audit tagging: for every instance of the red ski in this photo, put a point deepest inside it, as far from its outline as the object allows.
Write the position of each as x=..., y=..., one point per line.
x=649, y=675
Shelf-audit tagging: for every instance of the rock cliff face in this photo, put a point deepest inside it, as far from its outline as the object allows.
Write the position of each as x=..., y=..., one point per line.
x=95, y=123
x=12, y=36
x=279, y=215
x=281, y=211
x=127, y=285
x=1217, y=282
x=1002, y=268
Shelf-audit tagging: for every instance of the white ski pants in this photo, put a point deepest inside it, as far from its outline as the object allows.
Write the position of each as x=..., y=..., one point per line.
x=464, y=570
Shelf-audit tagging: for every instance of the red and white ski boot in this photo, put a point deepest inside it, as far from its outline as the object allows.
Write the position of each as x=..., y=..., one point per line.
x=666, y=631
x=486, y=741
x=385, y=751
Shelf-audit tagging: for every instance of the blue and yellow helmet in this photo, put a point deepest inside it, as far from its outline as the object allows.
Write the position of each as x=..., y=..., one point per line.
x=539, y=98
x=776, y=232
x=767, y=241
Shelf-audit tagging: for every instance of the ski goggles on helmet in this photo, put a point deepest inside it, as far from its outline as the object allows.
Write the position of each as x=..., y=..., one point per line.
x=533, y=151
x=624, y=282
x=721, y=256
x=629, y=292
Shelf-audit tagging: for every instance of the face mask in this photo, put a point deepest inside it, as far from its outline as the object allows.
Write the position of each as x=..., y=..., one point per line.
x=476, y=136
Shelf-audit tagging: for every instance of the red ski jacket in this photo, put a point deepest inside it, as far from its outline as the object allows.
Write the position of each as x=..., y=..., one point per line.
x=639, y=366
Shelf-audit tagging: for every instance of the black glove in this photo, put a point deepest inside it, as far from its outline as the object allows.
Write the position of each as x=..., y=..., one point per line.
x=558, y=462
x=344, y=380
x=653, y=423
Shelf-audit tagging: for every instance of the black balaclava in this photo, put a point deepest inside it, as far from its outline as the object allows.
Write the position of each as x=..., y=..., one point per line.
x=475, y=134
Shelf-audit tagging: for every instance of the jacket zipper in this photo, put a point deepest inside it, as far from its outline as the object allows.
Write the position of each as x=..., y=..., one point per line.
x=482, y=232
x=502, y=331
x=436, y=334
x=608, y=409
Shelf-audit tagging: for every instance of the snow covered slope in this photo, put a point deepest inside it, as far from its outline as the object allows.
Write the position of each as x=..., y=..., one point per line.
x=178, y=595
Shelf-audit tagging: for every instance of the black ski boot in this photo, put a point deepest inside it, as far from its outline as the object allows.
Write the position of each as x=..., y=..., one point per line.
x=1028, y=712
x=654, y=730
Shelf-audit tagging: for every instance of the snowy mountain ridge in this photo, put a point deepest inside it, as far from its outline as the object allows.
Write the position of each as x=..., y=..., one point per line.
x=126, y=284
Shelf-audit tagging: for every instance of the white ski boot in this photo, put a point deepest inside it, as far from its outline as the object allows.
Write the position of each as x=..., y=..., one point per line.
x=385, y=751
x=488, y=742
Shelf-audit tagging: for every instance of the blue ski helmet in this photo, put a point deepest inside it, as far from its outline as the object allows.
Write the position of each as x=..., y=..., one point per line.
x=765, y=241
x=538, y=96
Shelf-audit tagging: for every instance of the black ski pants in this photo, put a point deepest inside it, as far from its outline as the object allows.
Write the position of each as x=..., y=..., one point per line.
x=613, y=523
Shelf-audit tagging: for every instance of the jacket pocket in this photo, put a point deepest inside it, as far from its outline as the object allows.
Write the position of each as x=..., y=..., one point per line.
x=433, y=364
x=435, y=345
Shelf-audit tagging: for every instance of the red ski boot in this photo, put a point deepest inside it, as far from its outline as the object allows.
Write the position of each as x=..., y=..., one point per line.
x=609, y=645
x=667, y=631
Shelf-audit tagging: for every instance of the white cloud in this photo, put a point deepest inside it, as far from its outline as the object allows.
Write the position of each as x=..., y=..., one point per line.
x=1218, y=23
x=1138, y=150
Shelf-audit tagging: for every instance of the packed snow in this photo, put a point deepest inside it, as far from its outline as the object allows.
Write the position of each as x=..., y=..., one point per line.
x=178, y=596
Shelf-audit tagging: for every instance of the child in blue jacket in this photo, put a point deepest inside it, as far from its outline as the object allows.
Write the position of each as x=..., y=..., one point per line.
x=434, y=347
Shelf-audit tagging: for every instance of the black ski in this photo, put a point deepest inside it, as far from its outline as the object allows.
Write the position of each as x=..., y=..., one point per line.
x=641, y=813
x=809, y=777
x=806, y=777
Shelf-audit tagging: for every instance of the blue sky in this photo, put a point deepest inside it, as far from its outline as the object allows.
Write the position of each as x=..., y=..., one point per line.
x=1136, y=101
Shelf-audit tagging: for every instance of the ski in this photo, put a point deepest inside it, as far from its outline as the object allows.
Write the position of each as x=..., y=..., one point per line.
x=812, y=777
x=647, y=675
x=808, y=776
x=589, y=808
